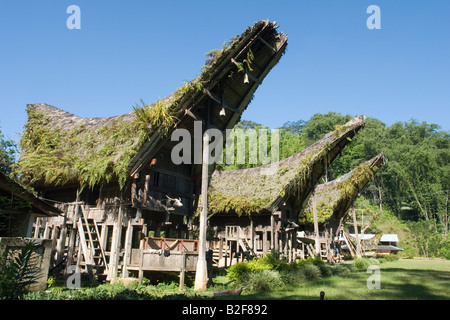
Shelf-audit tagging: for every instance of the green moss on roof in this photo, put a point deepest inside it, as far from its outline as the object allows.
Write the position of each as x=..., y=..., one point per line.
x=263, y=188
x=89, y=154
x=341, y=192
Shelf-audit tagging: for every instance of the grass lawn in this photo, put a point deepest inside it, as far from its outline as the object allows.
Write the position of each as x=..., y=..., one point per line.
x=403, y=279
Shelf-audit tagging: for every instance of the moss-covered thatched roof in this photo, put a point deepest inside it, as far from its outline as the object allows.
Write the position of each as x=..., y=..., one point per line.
x=334, y=198
x=60, y=148
x=262, y=189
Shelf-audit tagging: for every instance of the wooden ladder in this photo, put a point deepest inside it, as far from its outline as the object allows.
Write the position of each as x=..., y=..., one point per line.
x=93, y=253
x=350, y=245
x=248, y=252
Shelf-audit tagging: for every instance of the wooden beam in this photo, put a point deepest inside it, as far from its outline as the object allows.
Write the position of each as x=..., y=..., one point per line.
x=73, y=231
x=248, y=73
x=127, y=256
x=219, y=101
x=193, y=116
x=115, y=246
x=182, y=270
x=201, y=274
x=268, y=44
x=355, y=226
x=316, y=224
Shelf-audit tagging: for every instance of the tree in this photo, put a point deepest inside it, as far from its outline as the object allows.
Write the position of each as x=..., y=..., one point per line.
x=8, y=151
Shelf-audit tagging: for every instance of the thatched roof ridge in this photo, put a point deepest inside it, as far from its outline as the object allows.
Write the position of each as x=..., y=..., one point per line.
x=334, y=198
x=65, y=120
x=262, y=189
x=258, y=48
x=60, y=148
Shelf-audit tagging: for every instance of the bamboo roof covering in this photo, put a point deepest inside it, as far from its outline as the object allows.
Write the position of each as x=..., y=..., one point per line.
x=334, y=198
x=61, y=148
x=263, y=189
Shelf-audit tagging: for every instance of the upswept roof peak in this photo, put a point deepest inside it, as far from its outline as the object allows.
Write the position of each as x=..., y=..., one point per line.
x=61, y=148
x=265, y=188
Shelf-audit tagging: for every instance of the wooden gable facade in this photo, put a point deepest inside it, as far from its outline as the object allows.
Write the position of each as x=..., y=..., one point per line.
x=113, y=177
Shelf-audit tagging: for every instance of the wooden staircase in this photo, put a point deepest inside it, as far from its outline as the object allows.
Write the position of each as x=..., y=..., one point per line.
x=93, y=256
x=248, y=252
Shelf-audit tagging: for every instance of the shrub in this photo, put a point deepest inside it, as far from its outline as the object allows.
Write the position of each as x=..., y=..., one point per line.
x=310, y=260
x=272, y=261
x=364, y=263
x=444, y=251
x=325, y=270
x=262, y=281
x=340, y=269
x=293, y=277
x=17, y=272
x=311, y=272
x=238, y=271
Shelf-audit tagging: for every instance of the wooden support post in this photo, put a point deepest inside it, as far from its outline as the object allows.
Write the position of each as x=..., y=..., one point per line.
x=46, y=230
x=54, y=237
x=115, y=245
x=348, y=243
x=141, y=260
x=220, y=250
x=272, y=232
x=103, y=235
x=62, y=239
x=182, y=270
x=252, y=235
x=127, y=255
x=226, y=251
x=73, y=232
x=316, y=224
x=355, y=226
x=201, y=274
x=264, y=241
x=36, y=228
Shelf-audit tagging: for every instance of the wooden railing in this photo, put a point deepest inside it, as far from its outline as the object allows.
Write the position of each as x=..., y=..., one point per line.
x=171, y=244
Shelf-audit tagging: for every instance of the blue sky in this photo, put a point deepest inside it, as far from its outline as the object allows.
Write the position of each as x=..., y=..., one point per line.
x=131, y=50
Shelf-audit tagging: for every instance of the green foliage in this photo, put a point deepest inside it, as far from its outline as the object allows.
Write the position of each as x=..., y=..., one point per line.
x=8, y=150
x=426, y=240
x=362, y=264
x=270, y=272
x=262, y=281
x=237, y=204
x=326, y=270
x=310, y=260
x=444, y=250
x=17, y=272
x=89, y=156
x=311, y=272
x=157, y=116
x=134, y=291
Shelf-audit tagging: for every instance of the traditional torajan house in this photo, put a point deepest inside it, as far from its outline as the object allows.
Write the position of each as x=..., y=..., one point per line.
x=19, y=208
x=114, y=178
x=332, y=203
x=256, y=210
